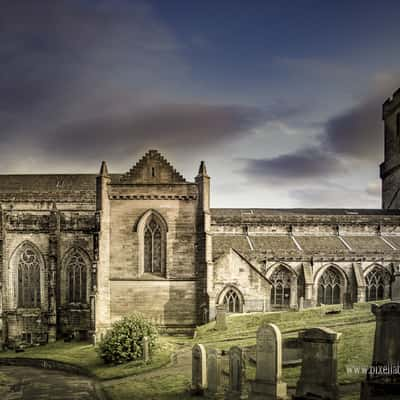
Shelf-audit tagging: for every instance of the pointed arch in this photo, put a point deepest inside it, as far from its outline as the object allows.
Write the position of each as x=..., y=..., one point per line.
x=152, y=230
x=377, y=283
x=283, y=285
x=76, y=276
x=232, y=298
x=26, y=280
x=331, y=284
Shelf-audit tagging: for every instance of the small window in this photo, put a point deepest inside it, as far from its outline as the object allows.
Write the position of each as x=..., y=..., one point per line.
x=153, y=247
x=232, y=301
x=28, y=279
x=329, y=287
x=153, y=172
x=77, y=279
x=280, y=296
x=376, y=280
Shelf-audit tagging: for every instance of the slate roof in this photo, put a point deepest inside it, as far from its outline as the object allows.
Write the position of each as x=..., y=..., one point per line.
x=320, y=243
x=284, y=246
x=272, y=243
x=48, y=187
x=367, y=243
x=221, y=244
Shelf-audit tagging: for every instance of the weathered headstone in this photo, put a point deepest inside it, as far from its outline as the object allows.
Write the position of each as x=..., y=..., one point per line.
x=268, y=384
x=214, y=372
x=396, y=285
x=237, y=374
x=301, y=303
x=318, y=378
x=146, y=349
x=220, y=318
x=383, y=377
x=199, y=369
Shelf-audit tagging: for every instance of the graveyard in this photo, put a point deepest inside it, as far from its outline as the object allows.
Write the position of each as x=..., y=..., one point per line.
x=168, y=375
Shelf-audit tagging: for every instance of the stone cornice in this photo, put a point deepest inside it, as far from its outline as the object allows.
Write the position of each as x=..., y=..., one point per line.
x=151, y=197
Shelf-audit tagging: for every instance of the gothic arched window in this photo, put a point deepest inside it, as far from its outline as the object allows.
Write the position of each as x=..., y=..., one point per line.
x=329, y=287
x=232, y=301
x=153, y=247
x=76, y=269
x=280, y=291
x=28, y=279
x=375, y=285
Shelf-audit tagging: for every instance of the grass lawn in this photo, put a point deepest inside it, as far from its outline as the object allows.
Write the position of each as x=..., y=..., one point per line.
x=84, y=355
x=167, y=387
x=354, y=350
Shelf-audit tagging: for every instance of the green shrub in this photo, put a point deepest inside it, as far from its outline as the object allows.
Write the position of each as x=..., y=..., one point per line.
x=124, y=341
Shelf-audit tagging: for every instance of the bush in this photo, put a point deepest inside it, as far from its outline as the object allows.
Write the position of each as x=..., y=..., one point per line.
x=124, y=341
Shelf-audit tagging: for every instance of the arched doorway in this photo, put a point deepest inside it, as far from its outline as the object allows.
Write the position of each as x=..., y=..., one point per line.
x=329, y=287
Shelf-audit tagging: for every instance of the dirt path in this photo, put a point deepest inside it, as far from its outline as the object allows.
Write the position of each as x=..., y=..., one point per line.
x=26, y=383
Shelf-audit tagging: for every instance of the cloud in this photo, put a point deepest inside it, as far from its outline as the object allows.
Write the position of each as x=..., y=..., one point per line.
x=167, y=126
x=304, y=164
x=84, y=82
x=358, y=132
x=333, y=197
x=352, y=137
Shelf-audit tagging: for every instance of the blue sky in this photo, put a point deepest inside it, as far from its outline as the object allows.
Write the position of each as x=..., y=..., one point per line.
x=282, y=99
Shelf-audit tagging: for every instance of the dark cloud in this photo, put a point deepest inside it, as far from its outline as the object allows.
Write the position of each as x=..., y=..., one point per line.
x=84, y=81
x=304, y=164
x=357, y=133
x=185, y=126
x=354, y=136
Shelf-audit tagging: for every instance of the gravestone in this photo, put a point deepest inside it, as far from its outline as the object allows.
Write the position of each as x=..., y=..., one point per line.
x=199, y=369
x=318, y=378
x=383, y=376
x=268, y=384
x=301, y=303
x=214, y=373
x=220, y=318
x=396, y=285
x=146, y=349
x=237, y=374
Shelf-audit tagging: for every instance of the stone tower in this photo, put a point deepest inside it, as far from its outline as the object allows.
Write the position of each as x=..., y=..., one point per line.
x=390, y=168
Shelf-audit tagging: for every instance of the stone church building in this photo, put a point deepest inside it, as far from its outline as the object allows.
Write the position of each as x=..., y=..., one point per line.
x=78, y=252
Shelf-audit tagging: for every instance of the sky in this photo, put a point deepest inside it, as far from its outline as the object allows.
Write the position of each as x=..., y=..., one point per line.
x=281, y=99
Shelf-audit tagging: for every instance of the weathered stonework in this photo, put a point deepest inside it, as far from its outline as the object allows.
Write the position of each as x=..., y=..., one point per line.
x=246, y=259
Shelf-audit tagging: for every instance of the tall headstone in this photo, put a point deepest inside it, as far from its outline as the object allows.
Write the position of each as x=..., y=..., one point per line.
x=268, y=384
x=301, y=303
x=146, y=349
x=214, y=372
x=396, y=285
x=220, y=318
x=199, y=369
x=318, y=378
x=237, y=375
x=383, y=377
